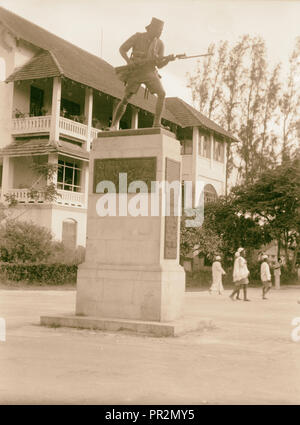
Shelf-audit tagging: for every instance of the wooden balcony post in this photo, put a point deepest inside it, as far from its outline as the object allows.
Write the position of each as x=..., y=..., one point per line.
x=85, y=186
x=195, y=161
x=88, y=112
x=55, y=110
x=53, y=160
x=212, y=147
x=7, y=176
x=115, y=104
x=134, y=117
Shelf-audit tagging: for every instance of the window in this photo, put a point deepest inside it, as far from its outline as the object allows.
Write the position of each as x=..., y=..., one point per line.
x=205, y=146
x=36, y=101
x=69, y=233
x=2, y=70
x=200, y=145
x=187, y=147
x=68, y=175
x=68, y=108
x=210, y=194
x=1, y=172
x=219, y=151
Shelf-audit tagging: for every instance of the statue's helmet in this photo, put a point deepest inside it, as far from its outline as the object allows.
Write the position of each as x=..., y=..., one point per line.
x=155, y=23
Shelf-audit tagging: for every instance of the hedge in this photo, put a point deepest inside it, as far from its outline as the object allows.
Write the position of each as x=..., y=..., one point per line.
x=203, y=278
x=56, y=274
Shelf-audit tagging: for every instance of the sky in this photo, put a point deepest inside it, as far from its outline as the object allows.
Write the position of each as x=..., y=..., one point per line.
x=101, y=26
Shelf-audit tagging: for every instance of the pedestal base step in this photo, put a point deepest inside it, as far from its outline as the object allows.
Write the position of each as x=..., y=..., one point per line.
x=175, y=328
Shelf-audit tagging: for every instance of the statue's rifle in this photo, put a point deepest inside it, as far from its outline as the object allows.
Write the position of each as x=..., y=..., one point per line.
x=123, y=72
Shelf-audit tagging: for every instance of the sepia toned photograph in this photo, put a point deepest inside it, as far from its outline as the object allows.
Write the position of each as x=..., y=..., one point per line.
x=150, y=205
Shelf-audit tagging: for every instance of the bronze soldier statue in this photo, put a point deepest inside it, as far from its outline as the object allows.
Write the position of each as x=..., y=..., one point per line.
x=146, y=56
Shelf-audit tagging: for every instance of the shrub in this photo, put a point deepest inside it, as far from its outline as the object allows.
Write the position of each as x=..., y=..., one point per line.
x=26, y=242
x=56, y=274
x=22, y=241
x=288, y=276
x=62, y=254
x=203, y=278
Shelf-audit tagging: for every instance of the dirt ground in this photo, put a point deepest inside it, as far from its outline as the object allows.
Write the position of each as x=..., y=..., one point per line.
x=249, y=358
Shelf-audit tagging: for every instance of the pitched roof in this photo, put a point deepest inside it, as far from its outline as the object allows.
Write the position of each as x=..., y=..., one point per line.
x=73, y=150
x=40, y=66
x=72, y=62
x=30, y=147
x=189, y=117
x=43, y=147
x=60, y=57
x=76, y=63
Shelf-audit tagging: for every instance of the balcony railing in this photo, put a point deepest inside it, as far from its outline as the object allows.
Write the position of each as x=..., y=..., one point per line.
x=67, y=127
x=73, y=199
x=65, y=197
x=72, y=128
x=94, y=133
x=31, y=125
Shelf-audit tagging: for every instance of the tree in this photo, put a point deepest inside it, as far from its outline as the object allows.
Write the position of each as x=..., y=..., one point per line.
x=238, y=89
x=206, y=83
x=290, y=104
x=274, y=199
x=199, y=240
x=233, y=228
x=22, y=241
x=234, y=86
x=270, y=102
x=254, y=112
x=223, y=231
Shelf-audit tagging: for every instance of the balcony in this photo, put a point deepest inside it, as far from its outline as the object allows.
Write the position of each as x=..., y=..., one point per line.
x=65, y=198
x=36, y=125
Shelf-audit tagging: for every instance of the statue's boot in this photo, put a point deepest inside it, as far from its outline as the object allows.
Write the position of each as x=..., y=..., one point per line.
x=119, y=112
x=158, y=111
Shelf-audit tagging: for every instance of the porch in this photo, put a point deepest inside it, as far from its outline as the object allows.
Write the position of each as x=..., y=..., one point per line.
x=27, y=180
x=64, y=197
x=42, y=125
x=64, y=109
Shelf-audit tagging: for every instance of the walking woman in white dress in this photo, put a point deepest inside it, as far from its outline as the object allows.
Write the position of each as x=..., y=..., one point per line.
x=217, y=273
x=240, y=274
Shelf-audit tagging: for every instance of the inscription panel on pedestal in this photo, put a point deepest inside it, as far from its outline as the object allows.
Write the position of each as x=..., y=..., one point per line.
x=171, y=222
x=143, y=169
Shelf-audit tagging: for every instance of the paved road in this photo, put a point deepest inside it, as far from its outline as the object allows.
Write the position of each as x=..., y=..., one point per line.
x=249, y=358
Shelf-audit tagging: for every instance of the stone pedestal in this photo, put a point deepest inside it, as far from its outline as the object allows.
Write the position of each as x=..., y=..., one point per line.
x=132, y=266
x=131, y=279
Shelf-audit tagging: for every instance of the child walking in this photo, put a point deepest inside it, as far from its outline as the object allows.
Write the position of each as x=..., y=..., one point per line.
x=265, y=276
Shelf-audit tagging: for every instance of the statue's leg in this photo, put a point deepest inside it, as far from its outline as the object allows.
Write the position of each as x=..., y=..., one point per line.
x=155, y=86
x=120, y=111
x=159, y=109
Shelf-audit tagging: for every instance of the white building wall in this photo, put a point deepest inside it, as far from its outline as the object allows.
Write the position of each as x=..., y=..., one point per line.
x=38, y=214
x=59, y=214
x=7, y=46
x=21, y=98
x=13, y=54
x=24, y=175
x=23, y=53
x=210, y=172
x=187, y=161
x=52, y=217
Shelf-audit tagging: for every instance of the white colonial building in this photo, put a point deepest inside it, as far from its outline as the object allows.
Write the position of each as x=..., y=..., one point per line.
x=54, y=99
